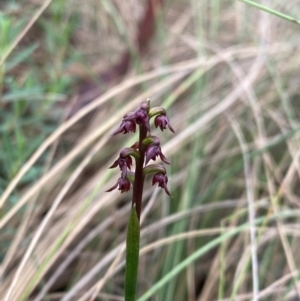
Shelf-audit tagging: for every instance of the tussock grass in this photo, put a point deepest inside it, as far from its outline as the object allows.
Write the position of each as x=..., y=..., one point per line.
x=228, y=74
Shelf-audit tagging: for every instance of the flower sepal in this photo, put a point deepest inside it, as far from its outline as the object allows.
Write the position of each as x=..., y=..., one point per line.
x=154, y=168
x=129, y=151
x=151, y=140
x=156, y=111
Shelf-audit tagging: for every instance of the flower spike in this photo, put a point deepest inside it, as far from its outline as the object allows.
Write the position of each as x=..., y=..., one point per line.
x=147, y=148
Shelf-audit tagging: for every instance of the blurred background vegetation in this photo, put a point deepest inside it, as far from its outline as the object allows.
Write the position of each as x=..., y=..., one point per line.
x=227, y=73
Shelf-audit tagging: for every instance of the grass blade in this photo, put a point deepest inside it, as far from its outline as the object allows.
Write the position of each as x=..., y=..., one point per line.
x=272, y=11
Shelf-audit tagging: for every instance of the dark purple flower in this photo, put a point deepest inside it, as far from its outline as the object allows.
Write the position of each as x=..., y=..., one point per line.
x=123, y=184
x=162, y=121
x=162, y=181
x=140, y=116
x=153, y=151
x=123, y=163
x=126, y=126
x=127, y=161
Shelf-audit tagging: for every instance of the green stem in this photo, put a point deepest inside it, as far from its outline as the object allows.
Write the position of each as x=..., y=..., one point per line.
x=139, y=177
x=133, y=232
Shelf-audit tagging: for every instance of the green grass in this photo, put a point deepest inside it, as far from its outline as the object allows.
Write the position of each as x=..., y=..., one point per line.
x=60, y=232
x=32, y=80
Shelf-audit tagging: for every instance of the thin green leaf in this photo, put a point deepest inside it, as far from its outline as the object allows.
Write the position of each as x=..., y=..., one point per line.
x=132, y=256
x=21, y=56
x=272, y=11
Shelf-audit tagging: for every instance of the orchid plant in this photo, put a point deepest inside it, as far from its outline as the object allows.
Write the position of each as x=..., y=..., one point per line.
x=145, y=149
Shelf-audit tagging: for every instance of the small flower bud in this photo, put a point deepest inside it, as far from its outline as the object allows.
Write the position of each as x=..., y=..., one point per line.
x=145, y=105
x=129, y=151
